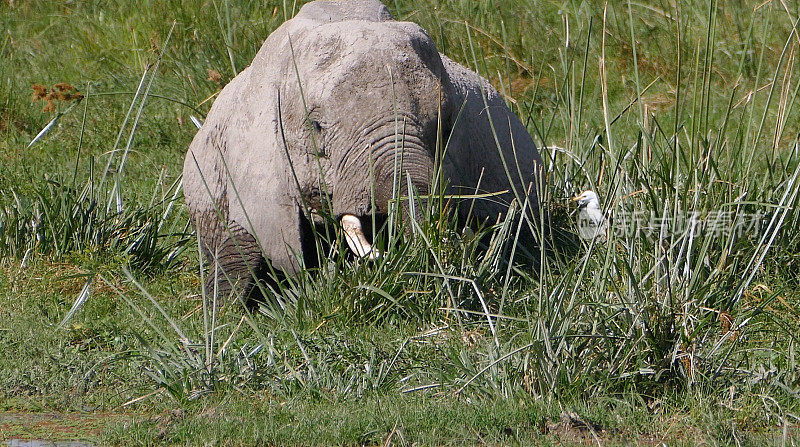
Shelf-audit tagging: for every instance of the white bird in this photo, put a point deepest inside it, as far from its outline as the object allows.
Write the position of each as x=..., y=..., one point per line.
x=591, y=222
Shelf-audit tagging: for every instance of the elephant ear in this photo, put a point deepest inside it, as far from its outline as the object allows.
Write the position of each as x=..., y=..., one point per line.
x=488, y=145
x=237, y=167
x=205, y=182
x=262, y=192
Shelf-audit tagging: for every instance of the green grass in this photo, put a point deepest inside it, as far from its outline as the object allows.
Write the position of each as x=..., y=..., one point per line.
x=661, y=336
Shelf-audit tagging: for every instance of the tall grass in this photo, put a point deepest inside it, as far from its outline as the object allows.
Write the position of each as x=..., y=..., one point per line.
x=60, y=216
x=663, y=302
x=58, y=220
x=688, y=136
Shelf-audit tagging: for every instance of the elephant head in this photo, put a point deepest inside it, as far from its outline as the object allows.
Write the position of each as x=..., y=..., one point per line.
x=359, y=113
x=341, y=106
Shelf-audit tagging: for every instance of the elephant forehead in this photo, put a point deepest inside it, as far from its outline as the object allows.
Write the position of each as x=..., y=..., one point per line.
x=363, y=53
x=338, y=11
x=365, y=40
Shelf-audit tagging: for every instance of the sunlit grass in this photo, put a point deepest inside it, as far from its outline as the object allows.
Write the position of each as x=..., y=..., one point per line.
x=683, y=120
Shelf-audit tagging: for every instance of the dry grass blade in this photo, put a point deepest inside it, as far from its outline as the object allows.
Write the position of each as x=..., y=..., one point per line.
x=83, y=296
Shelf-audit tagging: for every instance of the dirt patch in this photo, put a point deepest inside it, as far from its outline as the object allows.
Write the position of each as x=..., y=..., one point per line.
x=572, y=429
x=9, y=121
x=41, y=443
x=20, y=426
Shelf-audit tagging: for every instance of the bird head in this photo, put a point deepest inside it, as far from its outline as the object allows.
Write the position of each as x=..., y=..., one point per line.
x=587, y=198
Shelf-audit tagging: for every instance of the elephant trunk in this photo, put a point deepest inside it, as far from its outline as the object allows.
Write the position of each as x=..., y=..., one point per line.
x=368, y=179
x=373, y=177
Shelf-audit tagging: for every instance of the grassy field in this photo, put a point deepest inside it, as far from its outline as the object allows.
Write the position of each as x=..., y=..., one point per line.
x=679, y=114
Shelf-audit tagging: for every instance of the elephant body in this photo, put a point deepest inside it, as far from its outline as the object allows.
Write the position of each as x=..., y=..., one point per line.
x=333, y=99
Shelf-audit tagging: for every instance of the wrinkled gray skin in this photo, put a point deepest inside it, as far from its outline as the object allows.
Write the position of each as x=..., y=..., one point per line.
x=365, y=79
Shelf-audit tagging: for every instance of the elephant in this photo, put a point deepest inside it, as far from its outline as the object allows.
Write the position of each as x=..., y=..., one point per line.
x=333, y=99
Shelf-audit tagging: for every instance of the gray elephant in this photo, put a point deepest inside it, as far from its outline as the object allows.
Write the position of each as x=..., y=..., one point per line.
x=344, y=105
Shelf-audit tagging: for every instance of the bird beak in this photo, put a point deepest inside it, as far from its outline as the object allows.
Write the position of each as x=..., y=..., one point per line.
x=576, y=198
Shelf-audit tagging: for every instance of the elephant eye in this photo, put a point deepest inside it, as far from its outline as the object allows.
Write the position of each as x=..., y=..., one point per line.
x=316, y=126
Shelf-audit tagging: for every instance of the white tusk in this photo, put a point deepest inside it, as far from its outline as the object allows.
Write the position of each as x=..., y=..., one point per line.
x=355, y=238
